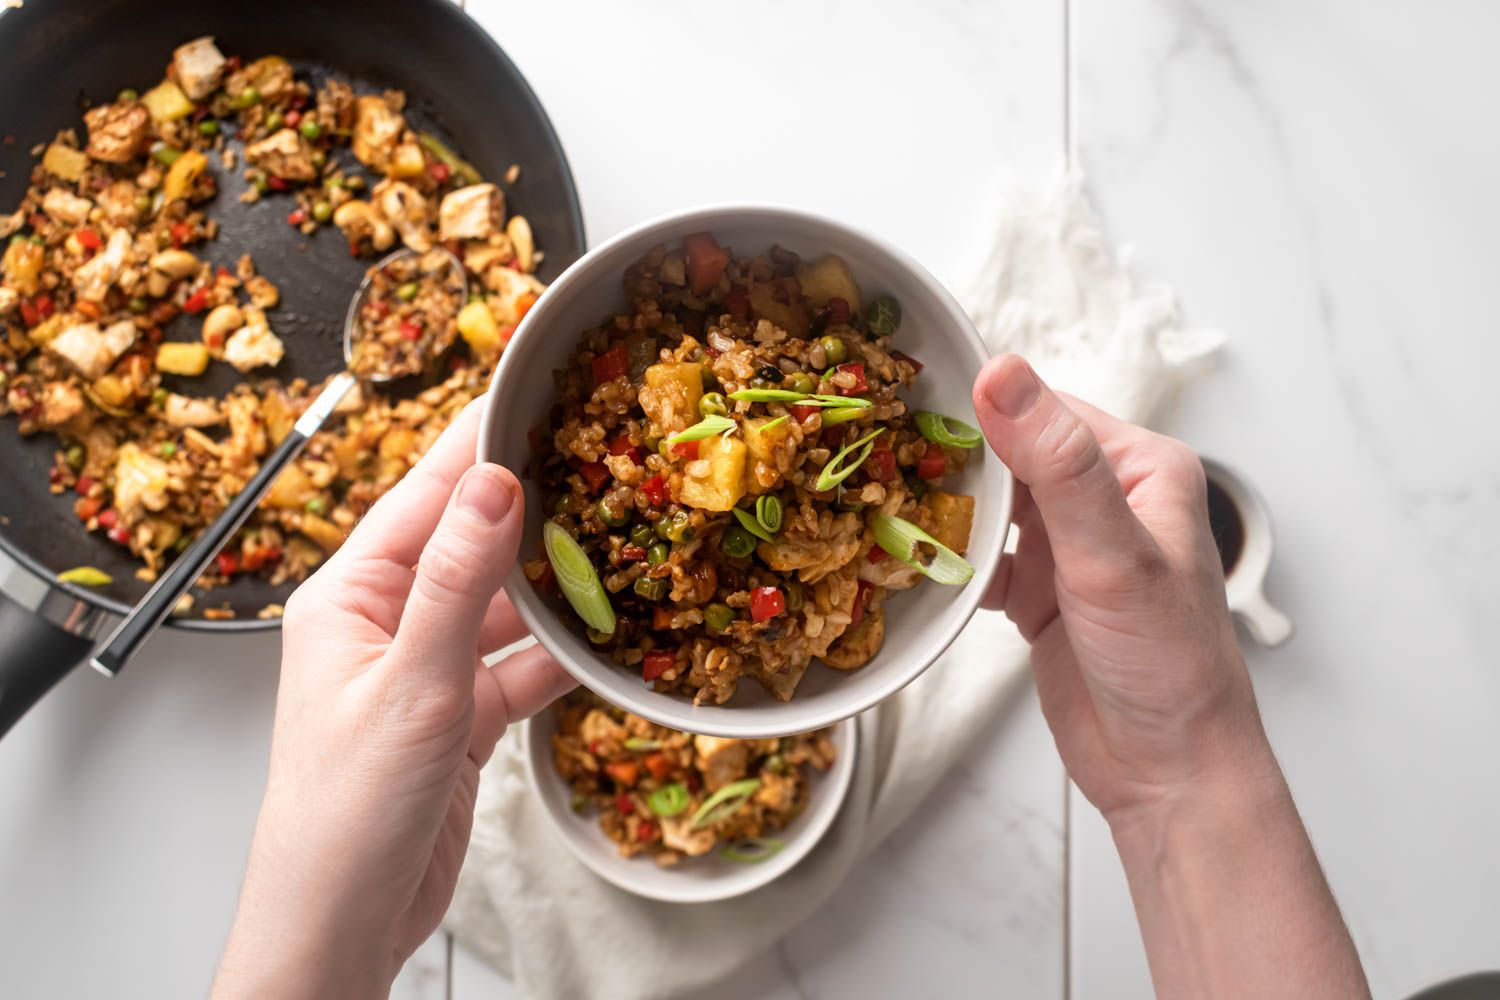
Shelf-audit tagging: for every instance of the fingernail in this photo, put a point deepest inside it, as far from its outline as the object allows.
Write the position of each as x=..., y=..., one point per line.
x=486, y=490
x=1015, y=391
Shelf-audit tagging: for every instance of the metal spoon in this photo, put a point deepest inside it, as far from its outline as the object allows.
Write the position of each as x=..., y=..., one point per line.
x=147, y=616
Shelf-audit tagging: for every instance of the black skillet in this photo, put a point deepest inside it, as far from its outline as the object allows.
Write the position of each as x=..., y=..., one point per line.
x=56, y=56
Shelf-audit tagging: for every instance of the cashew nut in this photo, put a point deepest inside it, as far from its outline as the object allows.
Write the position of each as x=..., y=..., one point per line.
x=359, y=221
x=167, y=267
x=404, y=207
x=221, y=322
x=519, y=231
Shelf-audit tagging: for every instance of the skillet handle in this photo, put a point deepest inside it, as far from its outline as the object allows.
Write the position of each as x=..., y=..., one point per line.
x=34, y=655
x=159, y=601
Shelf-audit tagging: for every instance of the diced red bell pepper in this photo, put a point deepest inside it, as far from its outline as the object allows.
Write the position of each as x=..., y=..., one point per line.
x=293, y=118
x=439, y=172
x=857, y=369
x=766, y=603
x=883, y=463
x=658, y=764
x=836, y=313
x=645, y=832
x=296, y=217
x=876, y=555
x=692, y=782
x=87, y=507
x=197, y=302
x=182, y=233
x=108, y=518
x=596, y=474
x=163, y=313
x=524, y=302
x=54, y=475
x=861, y=602
x=661, y=618
x=623, y=805
x=83, y=485
x=506, y=332
x=623, y=772
x=410, y=330
x=933, y=463
x=632, y=553
x=260, y=556
x=737, y=303
x=30, y=314
x=622, y=446
x=655, y=489
x=222, y=272
x=656, y=663
x=901, y=356
x=89, y=239
x=277, y=183
x=119, y=534
x=227, y=562
x=382, y=308
x=89, y=308
x=610, y=365
x=687, y=450
x=706, y=261
x=802, y=413
x=45, y=307
x=232, y=64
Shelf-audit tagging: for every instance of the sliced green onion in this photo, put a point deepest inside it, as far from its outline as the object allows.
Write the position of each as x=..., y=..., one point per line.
x=833, y=473
x=724, y=803
x=828, y=399
x=900, y=538
x=578, y=579
x=86, y=576
x=650, y=589
x=767, y=395
x=705, y=428
x=669, y=800
x=774, y=423
x=750, y=524
x=752, y=850
x=842, y=415
x=641, y=743
x=945, y=430
x=439, y=149
x=768, y=513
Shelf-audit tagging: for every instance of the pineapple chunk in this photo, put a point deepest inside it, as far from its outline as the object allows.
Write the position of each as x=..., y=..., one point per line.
x=185, y=170
x=476, y=324
x=65, y=162
x=827, y=278
x=716, y=479
x=953, y=519
x=671, y=394
x=407, y=162
x=291, y=490
x=180, y=358
x=762, y=447
x=328, y=535
x=166, y=102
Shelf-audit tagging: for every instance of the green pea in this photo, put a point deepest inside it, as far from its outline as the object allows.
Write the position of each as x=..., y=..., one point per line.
x=737, y=542
x=130, y=94
x=612, y=513
x=165, y=155
x=76, y=455
x=776, y=764
x=718, y=616
x=713, y=404
x=322, y=211
x=310, y=129
x=833, y=347
x=319, y=158
x=159, y=396
x=793, y=592
x=249, y=97
x=208, y=126
x=137, y=304
x=274, y=121
x=407, y=292
x=657, y=554
x=580, y=802
x=641, y=536
x=674, y=527
x=317, y=505
x=801, y=382
x=262, y=182
x=651, y=590
x=168, y=449
x=142, y=204
x=883, y=316
x=563, y=504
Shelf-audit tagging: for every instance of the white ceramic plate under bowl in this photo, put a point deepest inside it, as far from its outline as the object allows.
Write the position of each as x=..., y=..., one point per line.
x=692, y=880
x=920, y=623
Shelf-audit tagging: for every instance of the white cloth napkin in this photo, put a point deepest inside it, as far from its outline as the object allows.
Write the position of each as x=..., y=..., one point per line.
x=1044, y=283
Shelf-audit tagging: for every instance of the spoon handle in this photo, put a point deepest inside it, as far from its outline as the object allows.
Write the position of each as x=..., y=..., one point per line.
x=159, y=601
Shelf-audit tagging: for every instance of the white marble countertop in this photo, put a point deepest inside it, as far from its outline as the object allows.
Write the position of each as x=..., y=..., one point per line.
x=1313, y=178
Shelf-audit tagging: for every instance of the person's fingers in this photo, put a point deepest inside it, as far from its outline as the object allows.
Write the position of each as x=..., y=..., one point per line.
x=502, y=625
x=1094, y=534
x=458, y=574
x=517, y=687
x=1031, y=601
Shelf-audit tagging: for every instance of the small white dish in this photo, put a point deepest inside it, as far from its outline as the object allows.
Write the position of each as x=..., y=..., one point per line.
x=1245, y=578
x=920, y=623
x=692, y=880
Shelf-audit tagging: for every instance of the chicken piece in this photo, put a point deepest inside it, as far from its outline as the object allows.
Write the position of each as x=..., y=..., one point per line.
x=140, y=483
x=598, y=728
x=336, y=105
x=677, y=833
x=468, y=213
x=404, y=207
x=892, y=574
x=9, y=299
x=61, y=402
x=253, y=345
x=720, y=760
x=247, y=434
x=118, y=203
x=377, y=129
x=116, y=131
x=859, y=644
x=66, y=207
x=777, y=791
x=185, y=411
x=199, y=67
x=283, y=154
x=263, y=294
x=814, y=545
x=91, y=350
x=94, y=278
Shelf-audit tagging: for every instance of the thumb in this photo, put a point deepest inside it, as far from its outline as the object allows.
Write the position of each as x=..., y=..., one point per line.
x=1055, y=453
x=460, y=570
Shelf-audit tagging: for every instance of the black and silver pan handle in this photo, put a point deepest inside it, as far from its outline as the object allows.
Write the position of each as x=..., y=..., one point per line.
x=159, y=601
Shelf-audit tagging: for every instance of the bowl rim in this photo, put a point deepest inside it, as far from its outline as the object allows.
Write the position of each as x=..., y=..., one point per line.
x=678, y=715
x=685, y=884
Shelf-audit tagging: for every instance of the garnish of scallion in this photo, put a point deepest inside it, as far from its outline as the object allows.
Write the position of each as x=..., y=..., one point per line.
x=724, y=803
x=669, y=800
x=946, y=431
x=752, y=850
x=802, y=399
x=641, y=743
x=768, y=513
x=749, y=523
x=578, y=579
x=705, y=428
x=836, y=472
x=900, y=539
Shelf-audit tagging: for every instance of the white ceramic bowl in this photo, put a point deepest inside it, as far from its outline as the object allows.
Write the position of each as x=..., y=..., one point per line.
x=920, y=623
x=692, y=880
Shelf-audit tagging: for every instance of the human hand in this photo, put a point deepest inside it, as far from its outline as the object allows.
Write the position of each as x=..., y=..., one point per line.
x=1117, y=585
x=384, y=716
